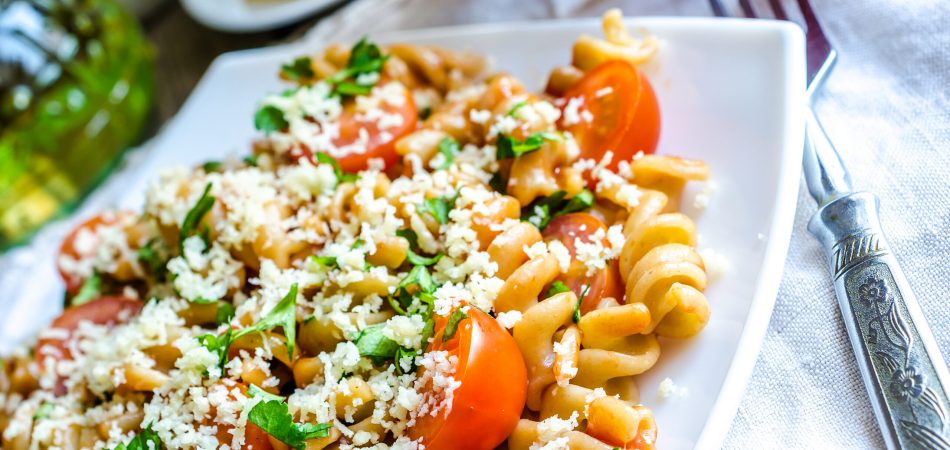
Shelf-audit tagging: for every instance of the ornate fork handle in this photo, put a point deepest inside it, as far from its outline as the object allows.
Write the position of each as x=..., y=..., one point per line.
x=897, y=355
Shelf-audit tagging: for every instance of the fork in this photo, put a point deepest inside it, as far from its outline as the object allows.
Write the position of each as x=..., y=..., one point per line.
x=903, y=371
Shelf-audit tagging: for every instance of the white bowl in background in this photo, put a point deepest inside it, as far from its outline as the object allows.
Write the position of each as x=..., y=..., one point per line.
x=245, y=16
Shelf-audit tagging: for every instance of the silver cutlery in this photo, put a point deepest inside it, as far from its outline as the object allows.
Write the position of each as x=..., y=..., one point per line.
x=903, y=371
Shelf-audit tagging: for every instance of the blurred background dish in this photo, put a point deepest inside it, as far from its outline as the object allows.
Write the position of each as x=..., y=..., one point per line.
x=241, y=16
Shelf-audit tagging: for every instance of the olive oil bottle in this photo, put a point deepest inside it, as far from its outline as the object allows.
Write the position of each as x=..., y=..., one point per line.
x=76, y=84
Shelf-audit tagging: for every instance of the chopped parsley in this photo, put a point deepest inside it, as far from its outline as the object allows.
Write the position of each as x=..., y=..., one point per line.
x=373, y=344
x=577, y=308
x=514, y=108
x=425, y=113
x=410, y=236
x=144, y=440
x=250, y=160
x=540, y=212
x=273, y=416
x=418, y=276
x=556, y=288
x=90, y=290
x=151, y=259
x=499, y=183
x=452, y=325
x=448, y=147
x=190, y=225
x=362, y=70
x=341, y=177
x=211, y=166
x=419, y=260
x=439, y=207
x=283, y=315
x=269, y=119
x=323, y=262
x=299, y=69
x=224, y=314
x=43, y=411
x=509, y=147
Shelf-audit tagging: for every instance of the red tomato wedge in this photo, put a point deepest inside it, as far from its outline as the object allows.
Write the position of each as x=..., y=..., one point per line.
x=102, y=311
x=68, y=247
x=494, y=386
x=254, y=437
x=380, y=141
x=625, y=116
x=603, y=283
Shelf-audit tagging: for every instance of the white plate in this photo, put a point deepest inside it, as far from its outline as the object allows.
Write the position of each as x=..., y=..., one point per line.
x=731, y=92
x=243, y=16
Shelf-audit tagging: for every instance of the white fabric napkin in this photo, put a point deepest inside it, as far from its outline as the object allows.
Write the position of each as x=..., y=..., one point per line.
x=887, y=109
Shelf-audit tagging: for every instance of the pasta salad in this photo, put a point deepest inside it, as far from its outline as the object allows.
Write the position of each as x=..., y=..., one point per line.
x=417, y=254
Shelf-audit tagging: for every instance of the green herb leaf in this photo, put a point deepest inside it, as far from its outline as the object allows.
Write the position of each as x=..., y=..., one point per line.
x=556, y=288
x=273, y=416
x=300, y=69
x=217, y=344
x=283, y=315
x=420, y=276
x=439, y=207
x=255, y=391
x=365, y=58
x=144, y=440
x=211, y=166
x=514, y=108
x=225, y=313
x=452, y=325
x=425, y=113
x=323, y=262
x=341, y=177
x=373, y=344
x=577, y=308
x=269, y=119
x=410, y=236
x=418, y=260
x=542, y=210
x=90, y=290
x=149, y=256
x=449, y=148
x=509, y=147
x=498, y=183
x=250, y=160
x=194, y=216
x=43, y=411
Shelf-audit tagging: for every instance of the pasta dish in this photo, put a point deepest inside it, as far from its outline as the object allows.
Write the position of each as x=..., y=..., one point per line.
x=417, y=253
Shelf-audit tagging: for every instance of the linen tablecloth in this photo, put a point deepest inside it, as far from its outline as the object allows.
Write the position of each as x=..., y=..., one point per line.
x=886, y=106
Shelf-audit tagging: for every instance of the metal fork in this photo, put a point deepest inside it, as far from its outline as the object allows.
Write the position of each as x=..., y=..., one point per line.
x=903, y=371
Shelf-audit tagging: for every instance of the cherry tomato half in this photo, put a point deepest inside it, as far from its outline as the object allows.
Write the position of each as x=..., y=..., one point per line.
x=254, y=437
x=68, y=247
x=494, y=386
x=625, y=116
x=380, y=142
x=603, y=283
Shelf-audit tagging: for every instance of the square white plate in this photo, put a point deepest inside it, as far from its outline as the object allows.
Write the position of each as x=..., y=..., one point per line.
x=731, y=92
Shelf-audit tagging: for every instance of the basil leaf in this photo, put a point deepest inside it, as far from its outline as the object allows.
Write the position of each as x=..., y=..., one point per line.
x=556, y=288
x=273, y=416
x=90, y=290
x=374, y=345
x=194, y=216
x=144, y=440
x=452, y=325
x=269, y=119
x=449, y=148
x=300, y=69
x=418, y=260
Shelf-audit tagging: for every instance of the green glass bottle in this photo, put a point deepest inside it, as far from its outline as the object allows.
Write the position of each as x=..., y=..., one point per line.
x=76, y=84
